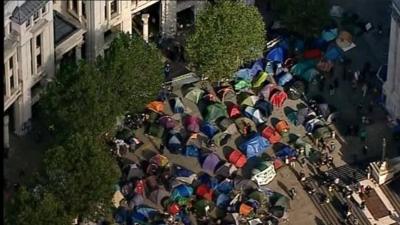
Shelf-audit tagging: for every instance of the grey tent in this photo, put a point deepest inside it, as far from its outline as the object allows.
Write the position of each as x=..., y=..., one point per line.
x=134, y=172
x=192, y=93
x=159, y=196
x=244, y=184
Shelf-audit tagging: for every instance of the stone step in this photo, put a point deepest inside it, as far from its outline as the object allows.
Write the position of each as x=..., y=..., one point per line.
x=393, y=197
x=346, y=174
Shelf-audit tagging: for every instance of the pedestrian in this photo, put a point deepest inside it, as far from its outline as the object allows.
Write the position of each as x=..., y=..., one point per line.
x=331, y=90
x=302, y=176
x=287, y=161
x=356, y=76
x=336, y=181
x=167, y=70
x=292, y=193
x=293, y=163
x=365, y=150
x=364, y=89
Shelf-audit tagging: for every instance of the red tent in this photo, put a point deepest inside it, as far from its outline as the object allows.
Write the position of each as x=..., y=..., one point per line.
x=312, y=54
x=205, y=192
x=271, y=134
x=278, y=97
x=278, y=163
x=233, y=110
x=237, y=158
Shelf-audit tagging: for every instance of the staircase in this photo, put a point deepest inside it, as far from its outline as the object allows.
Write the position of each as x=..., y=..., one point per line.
x=389, y=191
x=346, y=174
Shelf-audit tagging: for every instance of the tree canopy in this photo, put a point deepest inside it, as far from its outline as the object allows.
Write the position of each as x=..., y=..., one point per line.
x=306, y=18
x=227, y=35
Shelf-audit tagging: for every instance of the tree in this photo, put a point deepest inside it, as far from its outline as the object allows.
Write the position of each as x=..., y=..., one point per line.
x=306, y=18
x=82, y=174
x=227, y=35
x=28, y=208
x=135, y=70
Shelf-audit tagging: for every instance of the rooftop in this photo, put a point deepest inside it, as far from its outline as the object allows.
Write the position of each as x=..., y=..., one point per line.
x=25, y=11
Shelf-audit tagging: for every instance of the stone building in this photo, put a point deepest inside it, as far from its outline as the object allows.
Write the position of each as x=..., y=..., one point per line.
x=41, y=35
x=391, y=87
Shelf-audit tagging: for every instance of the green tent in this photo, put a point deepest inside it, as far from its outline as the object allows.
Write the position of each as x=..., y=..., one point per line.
x=242, y=84
x=322, y=133
x=260, y=79
x=302, y=69
x=215, y=111
x=194, y=94
x=200, y=207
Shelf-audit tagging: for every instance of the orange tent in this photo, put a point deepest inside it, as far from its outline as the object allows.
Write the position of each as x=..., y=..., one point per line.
x=245, y=210
x=156, y=106
x=282, y=126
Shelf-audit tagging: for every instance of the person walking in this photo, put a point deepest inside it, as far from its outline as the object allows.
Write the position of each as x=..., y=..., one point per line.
x=331, y=90
x=167, y=71
x=364, y=89
x=365, y=150
x=292, y=193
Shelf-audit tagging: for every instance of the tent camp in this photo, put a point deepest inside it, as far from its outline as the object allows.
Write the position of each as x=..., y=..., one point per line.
x=255, y=145
x=214, y=112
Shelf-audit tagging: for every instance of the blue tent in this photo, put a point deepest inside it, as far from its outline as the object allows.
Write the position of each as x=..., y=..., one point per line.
x=265, y=107
x=276, y=55
x=286, y=151
x=299, y=45
x=333, y=53
x=142, y=214
x=208, y=129
x=256, y=68
x=181, y=191
x=223, y=201
x=192, y=151
x=225, y=186
x=329, y=34
x=174, y=143
x=255, y=145
x=283, y=78
x=243, y=74
x=182, y=172
x=178, y=106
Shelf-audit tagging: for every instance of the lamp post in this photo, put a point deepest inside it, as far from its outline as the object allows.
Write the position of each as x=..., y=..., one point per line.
x=383, y=166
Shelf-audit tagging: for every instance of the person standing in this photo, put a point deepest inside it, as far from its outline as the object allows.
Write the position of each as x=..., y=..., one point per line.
x=331, y=90
x=167, y=70
x=364, y=89
x=365, y=150
x=292, y=193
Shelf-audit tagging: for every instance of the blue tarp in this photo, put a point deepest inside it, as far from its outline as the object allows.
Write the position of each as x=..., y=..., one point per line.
x=255, y=145
x=192, y=151
x=143, y=213
x=329, y=34
x=286, y=151
x=333, y=53
x=208, y=129
x=276, y=55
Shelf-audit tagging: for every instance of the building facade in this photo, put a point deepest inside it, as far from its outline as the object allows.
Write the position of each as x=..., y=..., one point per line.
x=391, y=88
x=41, y=35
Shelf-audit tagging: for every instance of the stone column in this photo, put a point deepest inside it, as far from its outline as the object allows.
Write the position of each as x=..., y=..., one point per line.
x=78, y=52
x=168, y=18
x=80, y=9
x=6, y=134
x=145, y=19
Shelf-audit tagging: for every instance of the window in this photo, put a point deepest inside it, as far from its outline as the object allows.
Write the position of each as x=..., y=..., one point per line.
x=44, y=9
x=28, y=22
x=114, y=7
x=35, y=16
x=38, y=41
x=11, y=63
x=11, y=73
x=38, y=60
x=75, y=5
x=83, y=9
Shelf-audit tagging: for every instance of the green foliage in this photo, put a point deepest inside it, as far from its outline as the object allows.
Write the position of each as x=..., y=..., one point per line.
x=27, y=208
x=134, y=70
x=82, y=174
x=306, y=18
x=226, y=35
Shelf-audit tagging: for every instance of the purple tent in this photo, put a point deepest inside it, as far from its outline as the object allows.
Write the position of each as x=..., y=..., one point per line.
x=210, y=163
x=192, y=124
x=167, y=121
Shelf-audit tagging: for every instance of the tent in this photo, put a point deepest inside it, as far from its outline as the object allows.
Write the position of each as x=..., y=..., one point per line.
x=263, y=173
x=325, y=65
x=227, y=94
x=134, y=171
x=225, y=169
x=203, y=207
x=177, y=105
x=271, y=135
x=174, y=143
x=296, y=90
x=225, y=186
x=344, y=40
x=255, y=145
x=312, y=124
x=278, y=96
x=156, y=130
x=244, y=185
x=276, y=55
x=254, y=114
x=299, y=68
x=282, y=127
x=233, y=110
x=159, y=160
x=329, y=34
x=260, y=79
x=265, y=107
x=333, y=53
x=181, y=191
x=205, y=192
x=210, y=163
x=265, y=92
x=167, y=121
x=310, y=74
x=322, y=132
x=143, y=214
x=192, y=151
x=156, y=106
x=237, y=158
x=242, y=85
x=214, y=112
x=159, y=196
x=284, y=78
x=221, y=138
x=184, y=175
x=243, y=74
x=121, y=215
x=208, y=129
x=256, y=67
x=243, y=123
x=192, y=93
x=269, y=68
x=117, y=198
x=247, y=98
x=192, y=124
x=312, y=54
x=223, y=201
x=286, y=151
